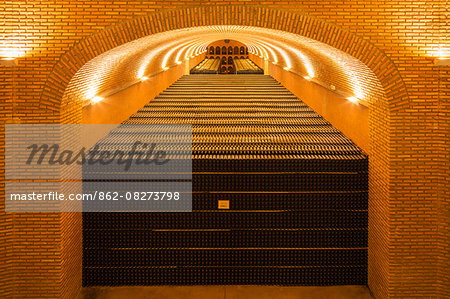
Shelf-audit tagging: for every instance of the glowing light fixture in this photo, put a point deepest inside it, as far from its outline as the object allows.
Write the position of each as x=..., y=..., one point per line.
x=9, y=61
x=177, y=59
x=144, y=78
x=167, y=56
x=189, y=52
x=286, y=58
x=146, y=61
x=353, y=100
x=266, y=54
x=96, y=99
x=193, y=51
x=252, y=49
x=274, y=56
x=197, y=50
x=200, y=49
x=297, y=53
x=441, y=54
x=258, y=51
x=150, y=56
x=441, y=61
x=11, y=52
x=306, y=62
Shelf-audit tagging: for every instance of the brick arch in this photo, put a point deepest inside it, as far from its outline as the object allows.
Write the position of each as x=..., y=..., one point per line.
x=293, y=22
x=395, y=96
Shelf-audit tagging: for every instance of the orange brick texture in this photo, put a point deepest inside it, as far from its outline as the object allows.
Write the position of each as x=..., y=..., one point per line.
x=408, y=226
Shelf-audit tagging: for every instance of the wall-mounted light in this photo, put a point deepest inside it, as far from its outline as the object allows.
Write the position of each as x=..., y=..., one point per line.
x=308, y=78
x=10, y=53
x=441, y=54
x=146, y=61
x=286, y=58
x=177, y=59
x=266, y=54
x=441, y=61
x=188, y=53
x=353, y=99
x=274, y=56
x=144, y=78
x=307, y=63
x=96, y=99
x=9, y=61
x=169, y=54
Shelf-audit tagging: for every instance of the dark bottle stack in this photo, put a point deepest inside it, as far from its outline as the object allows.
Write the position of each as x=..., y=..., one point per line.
x=297, y=191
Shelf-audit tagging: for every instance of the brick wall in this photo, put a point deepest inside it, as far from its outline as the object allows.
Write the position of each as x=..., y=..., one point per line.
x=6, y=220
x=408, y=229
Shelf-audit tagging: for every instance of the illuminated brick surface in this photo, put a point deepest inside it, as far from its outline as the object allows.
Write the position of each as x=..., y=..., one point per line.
x=397, y=40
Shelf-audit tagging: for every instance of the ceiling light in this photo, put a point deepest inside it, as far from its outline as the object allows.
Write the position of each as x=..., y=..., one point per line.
x=144, y=78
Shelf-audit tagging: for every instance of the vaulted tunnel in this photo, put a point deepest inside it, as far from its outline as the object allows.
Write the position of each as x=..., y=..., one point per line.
x=295, y=187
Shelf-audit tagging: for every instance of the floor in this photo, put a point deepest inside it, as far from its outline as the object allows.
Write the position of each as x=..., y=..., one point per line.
x=227, y=292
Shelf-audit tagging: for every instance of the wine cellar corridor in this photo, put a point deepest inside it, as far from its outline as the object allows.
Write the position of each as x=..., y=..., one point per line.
x=297, y=190
x=306, y=144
